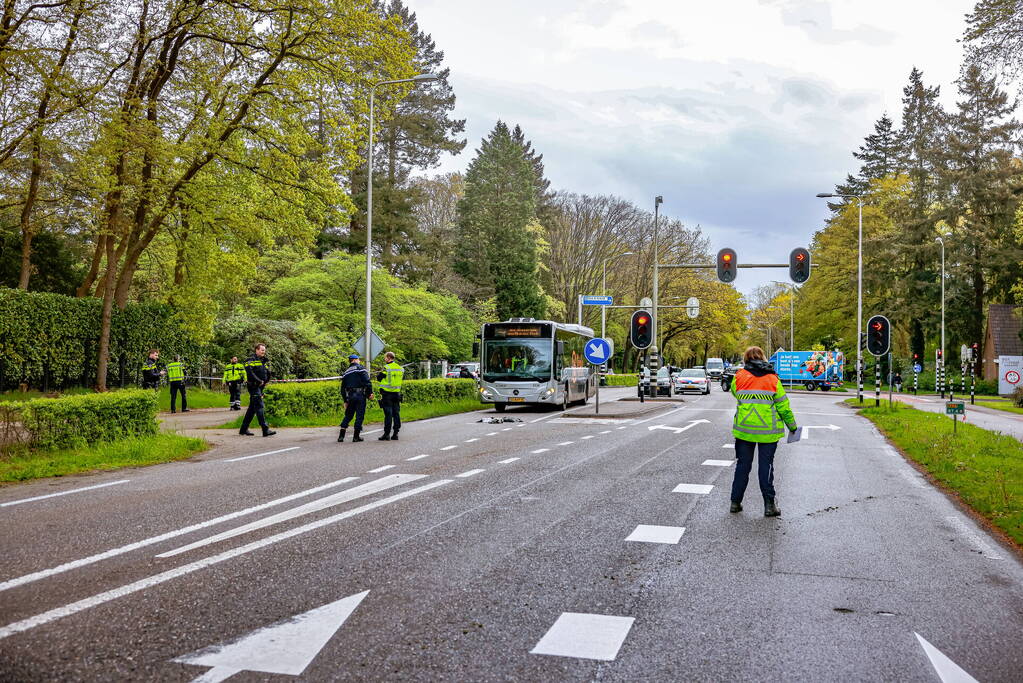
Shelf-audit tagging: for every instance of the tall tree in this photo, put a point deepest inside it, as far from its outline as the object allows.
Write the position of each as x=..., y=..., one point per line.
x=994, y=37
x=879, y=156
x=497, y=248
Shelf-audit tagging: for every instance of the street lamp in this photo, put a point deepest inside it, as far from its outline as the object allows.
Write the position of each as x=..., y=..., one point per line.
x=603, y=289
x=421, y=78
x=658, y=200
x=792, y=314
x=859, y=290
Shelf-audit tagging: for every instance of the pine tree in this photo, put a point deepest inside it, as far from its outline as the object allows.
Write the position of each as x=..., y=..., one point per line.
x=544, y=197
x=497, y=252
x=984, y=182
x=879, y=155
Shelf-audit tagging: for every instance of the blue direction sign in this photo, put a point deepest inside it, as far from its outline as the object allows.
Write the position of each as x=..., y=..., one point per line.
x=594, y=300
x=918, y=368
x=597, y=351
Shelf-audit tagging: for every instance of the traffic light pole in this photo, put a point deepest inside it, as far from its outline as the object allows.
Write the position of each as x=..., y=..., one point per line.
x=916, y=381
x=877, y=381
x=973, y=384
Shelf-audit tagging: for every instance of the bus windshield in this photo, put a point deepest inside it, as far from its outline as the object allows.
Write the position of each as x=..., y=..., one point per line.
x=517, y=359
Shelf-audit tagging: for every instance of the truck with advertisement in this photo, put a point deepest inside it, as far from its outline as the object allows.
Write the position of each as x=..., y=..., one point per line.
x=813, y=369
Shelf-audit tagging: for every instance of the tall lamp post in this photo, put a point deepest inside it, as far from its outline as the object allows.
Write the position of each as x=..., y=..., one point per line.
x=658, y=200
x=792, y=313
x=942, y=243
x=859, y=290
x=421, y=78
x=603, y=290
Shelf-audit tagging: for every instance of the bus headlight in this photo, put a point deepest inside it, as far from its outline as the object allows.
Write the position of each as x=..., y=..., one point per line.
x=486, y=394
x=547, y=394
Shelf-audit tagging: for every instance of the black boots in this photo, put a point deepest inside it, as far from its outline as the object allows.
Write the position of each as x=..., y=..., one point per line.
x=384, y=437
x=269, y=432
x=736, y=507
x=356, y=437
x=247, y=433
x=394, y=435
x=341, y=434
x=770, y=509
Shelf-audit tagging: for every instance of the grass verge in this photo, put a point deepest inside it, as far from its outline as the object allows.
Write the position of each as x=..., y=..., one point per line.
x=25, y=464
x=409, y=413
x=1001, y=405
x=197, y=398
x=983, y=468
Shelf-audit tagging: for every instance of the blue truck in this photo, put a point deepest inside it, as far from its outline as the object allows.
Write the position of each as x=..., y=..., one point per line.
x=813, y=369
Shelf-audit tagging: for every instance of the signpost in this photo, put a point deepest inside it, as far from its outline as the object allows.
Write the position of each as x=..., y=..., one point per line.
x=595, y=300
x=954, y=408
x=597, y=352
x=376, y=345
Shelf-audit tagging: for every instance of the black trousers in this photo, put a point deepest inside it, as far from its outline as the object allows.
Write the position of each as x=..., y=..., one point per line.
x=355, y=407
x=390, y=402
x=176, y=387
x=235, y=387
x=765, y=467
x=255, y=410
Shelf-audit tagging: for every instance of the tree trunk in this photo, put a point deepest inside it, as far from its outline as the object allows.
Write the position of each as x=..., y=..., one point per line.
x=105, y=320
x=27, y=232
x=97, y=259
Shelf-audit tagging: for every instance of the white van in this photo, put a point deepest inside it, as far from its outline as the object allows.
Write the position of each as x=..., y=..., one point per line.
x=715, y=368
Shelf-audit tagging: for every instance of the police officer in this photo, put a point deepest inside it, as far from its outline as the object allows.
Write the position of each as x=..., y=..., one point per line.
x=234, y=374
x=390, y=396
x=257, y=376
x=176, y=376
x=151, y=371
x=356, y=389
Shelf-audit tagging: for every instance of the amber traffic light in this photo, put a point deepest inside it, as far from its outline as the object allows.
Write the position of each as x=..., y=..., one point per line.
x=726, y=265
x=640, y=333
x=799, y=265
x=879, y=332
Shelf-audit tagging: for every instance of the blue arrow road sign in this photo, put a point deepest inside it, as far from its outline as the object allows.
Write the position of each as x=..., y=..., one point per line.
x=597, y=351
x=593, y=300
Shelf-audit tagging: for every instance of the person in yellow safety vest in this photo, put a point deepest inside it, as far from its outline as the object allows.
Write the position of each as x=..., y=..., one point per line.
x=518, y=362
x=234, y=375
x=761, y=415
x=390, y=396
x=176, y=377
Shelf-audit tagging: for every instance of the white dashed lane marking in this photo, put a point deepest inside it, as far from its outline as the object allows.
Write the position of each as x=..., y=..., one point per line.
x=506, y=429
x=728, y=445
x=540, y=450
x=491, y=433
x=589, y=436
x=622, y=427
x=719, y=463
x=702, y=489
x=382, y=468
x=469, y=473
x=470, y=440
x=418, y=457
x=64, y=493
x=260, y=455
x=585, y=636
x=566, y=443
x=606, y=431
x=505, y=462
x=652, y=533
x=448, y=448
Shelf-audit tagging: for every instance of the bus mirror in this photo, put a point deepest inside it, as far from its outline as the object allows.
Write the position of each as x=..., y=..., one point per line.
x=475, y=349
x=561, y=348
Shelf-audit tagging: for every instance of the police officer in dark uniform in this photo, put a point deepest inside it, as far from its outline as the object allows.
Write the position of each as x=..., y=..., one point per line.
x=257, y=376
x=151, y=371
x=356, y=389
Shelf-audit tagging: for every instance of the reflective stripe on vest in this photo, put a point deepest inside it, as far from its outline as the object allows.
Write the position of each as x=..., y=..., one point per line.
x=394, y=374
x=234, y=372
x=175, y=371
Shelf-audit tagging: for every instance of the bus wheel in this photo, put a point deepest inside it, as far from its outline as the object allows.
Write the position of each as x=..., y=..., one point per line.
x=809, y=386
x=499, y=407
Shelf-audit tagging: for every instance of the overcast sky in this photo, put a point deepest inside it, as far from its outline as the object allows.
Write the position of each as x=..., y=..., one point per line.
x=737, y=112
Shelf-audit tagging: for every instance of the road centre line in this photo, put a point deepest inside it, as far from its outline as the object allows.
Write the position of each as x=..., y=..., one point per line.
x=448, y=448
x=469, y=473
x=369, y=488
x=142, y=584
x=701, y=489
x=471, y=440
x=585, y=636
x=505, y=462
x=64, y=493
x=260, y=455
x=506, y=429
x=653, y=533
x=114, y=552
x=588, y=436
x=491, y=433
x=540, y=450
x=622, y=427
x=566, y=443
x=382, y=468
x=606, y=431
x=417, y=457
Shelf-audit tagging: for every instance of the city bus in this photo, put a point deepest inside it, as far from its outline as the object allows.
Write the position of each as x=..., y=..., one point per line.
x=534, y=362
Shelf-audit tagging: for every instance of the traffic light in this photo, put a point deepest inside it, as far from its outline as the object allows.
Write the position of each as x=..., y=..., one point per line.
x=641, y=332
x=799, y=265
x=974, y=351
x=726, y=265
x=879, y=332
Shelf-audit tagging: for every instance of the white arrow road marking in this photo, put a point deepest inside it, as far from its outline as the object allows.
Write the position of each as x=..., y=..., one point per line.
x=63, y=493
x=948, y=671
x=75, y=564
x=585, y=636
x=828, y=427
x=370, y=487
x=260, y=455
x=149, y=582
x=287, y=647
x=679, y=430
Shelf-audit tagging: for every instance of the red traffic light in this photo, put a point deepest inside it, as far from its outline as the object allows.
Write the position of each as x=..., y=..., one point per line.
x=800, y=256
x=726, y=257
x=878, y=326
x=642, y=320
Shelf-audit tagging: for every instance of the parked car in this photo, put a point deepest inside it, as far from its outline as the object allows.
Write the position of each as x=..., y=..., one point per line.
x=664, y=387
x=692, y=379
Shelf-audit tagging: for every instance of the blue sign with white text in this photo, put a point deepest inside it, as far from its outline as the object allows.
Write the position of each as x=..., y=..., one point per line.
x=593, y=300
x=597, y=351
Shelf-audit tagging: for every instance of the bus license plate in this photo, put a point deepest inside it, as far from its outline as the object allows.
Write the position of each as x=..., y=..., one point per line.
x=516, y=399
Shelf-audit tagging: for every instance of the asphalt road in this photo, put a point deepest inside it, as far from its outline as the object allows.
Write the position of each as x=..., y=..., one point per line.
x=474, y=551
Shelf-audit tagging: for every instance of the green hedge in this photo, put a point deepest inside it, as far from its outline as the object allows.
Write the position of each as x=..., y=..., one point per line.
x=319, y=398
x=622, y=380
x=74, y=421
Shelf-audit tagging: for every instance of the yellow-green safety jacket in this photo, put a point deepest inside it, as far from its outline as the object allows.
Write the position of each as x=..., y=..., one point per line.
x=763, y=409
x=394, y=374
x=234, y=372
x=176, y=371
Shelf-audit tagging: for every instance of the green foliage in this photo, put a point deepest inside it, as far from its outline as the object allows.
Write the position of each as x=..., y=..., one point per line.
x=317, y=398
x=295, y=349
x=984, y=469
x=25, y=464
x=74, y=421
x=622, y=380
x=52, y=339
x=55, y=267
